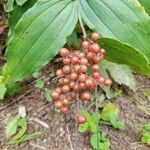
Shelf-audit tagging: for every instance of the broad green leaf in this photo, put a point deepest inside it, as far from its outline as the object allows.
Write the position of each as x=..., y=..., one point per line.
x=122, y=20
x=17, y=13
x=117, y=123
x=9, y=5
x=146, y=4
x=118, y=52
x=47, y=95
x=120, y=73
x=20, y=2
x=2, y=90
x=109, y=112
x=104, y=143
x=38, y=36
x=11, y=127
x=22, y=123
x=83, y=127
x=25, y=138
x=39, y=83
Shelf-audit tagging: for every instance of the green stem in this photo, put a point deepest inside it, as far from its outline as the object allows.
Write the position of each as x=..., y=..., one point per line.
x=97, y=113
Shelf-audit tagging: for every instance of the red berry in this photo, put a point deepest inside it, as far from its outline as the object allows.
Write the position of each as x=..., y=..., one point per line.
x=96, y=60
x=82, y=77
x=108, y=82
x=102, y=50
x=95, y=36
x=76, y=87
x=66, y=88
x=81, y=119
x=101, y=80
x=73, y=76
x=75, y=60
x=72, y=84
x=96, y=75
x=64, y=52
x=77, y=68
x=95, y=68
x=59, y=73
x=61, y=81
x=66, y=81
x=95, y=48
x=58, y=90
x=90, y=55
x=84, y=61
x=83, y=68
x=82, y=86
x=58, y=105
x=89, y=83
x=66, y=61
x=55, y=95
x=85, y=96
x=64, y=109
x=66, y=69
x=72, y=95
x=65, y=102
x=81, y=55
x=85, y=44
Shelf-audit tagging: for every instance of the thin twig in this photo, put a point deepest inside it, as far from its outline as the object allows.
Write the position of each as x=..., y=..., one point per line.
x=69, y=138
x=81, y=23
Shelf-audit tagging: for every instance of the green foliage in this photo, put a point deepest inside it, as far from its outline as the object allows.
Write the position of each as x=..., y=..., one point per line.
x=16, y=129
x=146, y=4
x=2, y=90
x=40, y=38
x=104, y=143
x=129, y=26
x=110, y=114
x=47, y=95
x=146, y=134
x=39, y=83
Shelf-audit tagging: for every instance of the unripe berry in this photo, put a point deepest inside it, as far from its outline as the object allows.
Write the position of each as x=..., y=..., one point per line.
x=95, y=48
x=95, y=36
x=55, y=95
x=85, y=45
x=59, y=73
x=66, y=69
x=108, y=82
x=81, y=119
x=66, y=61
x=64, y=52
x=85, y=96
x=58, y=105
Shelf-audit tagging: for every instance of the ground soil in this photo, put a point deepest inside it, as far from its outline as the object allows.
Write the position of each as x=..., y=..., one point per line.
x=60, y=130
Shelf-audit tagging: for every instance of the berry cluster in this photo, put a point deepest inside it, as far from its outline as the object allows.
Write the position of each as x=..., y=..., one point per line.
x=73, y=80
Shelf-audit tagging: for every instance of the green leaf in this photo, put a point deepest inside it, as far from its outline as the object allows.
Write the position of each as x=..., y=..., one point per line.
x=47, y=95
x=25, y=138
x=109, y=112
x=146, y=138
x=9, y=5
x=146, y=4
x=104, y=143
x=22, y=123
x=38, y=36
x=130, y=26
x=39, y=83
x=120, y=73
x=20, y=2
x=17, y=13
x=11, y=127
x=146, y=127
x=2, y=90
x=118, y=52
x=117, y=124
x=83, y=127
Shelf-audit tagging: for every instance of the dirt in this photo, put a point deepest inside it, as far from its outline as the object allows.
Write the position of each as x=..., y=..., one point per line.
x=60, y=131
